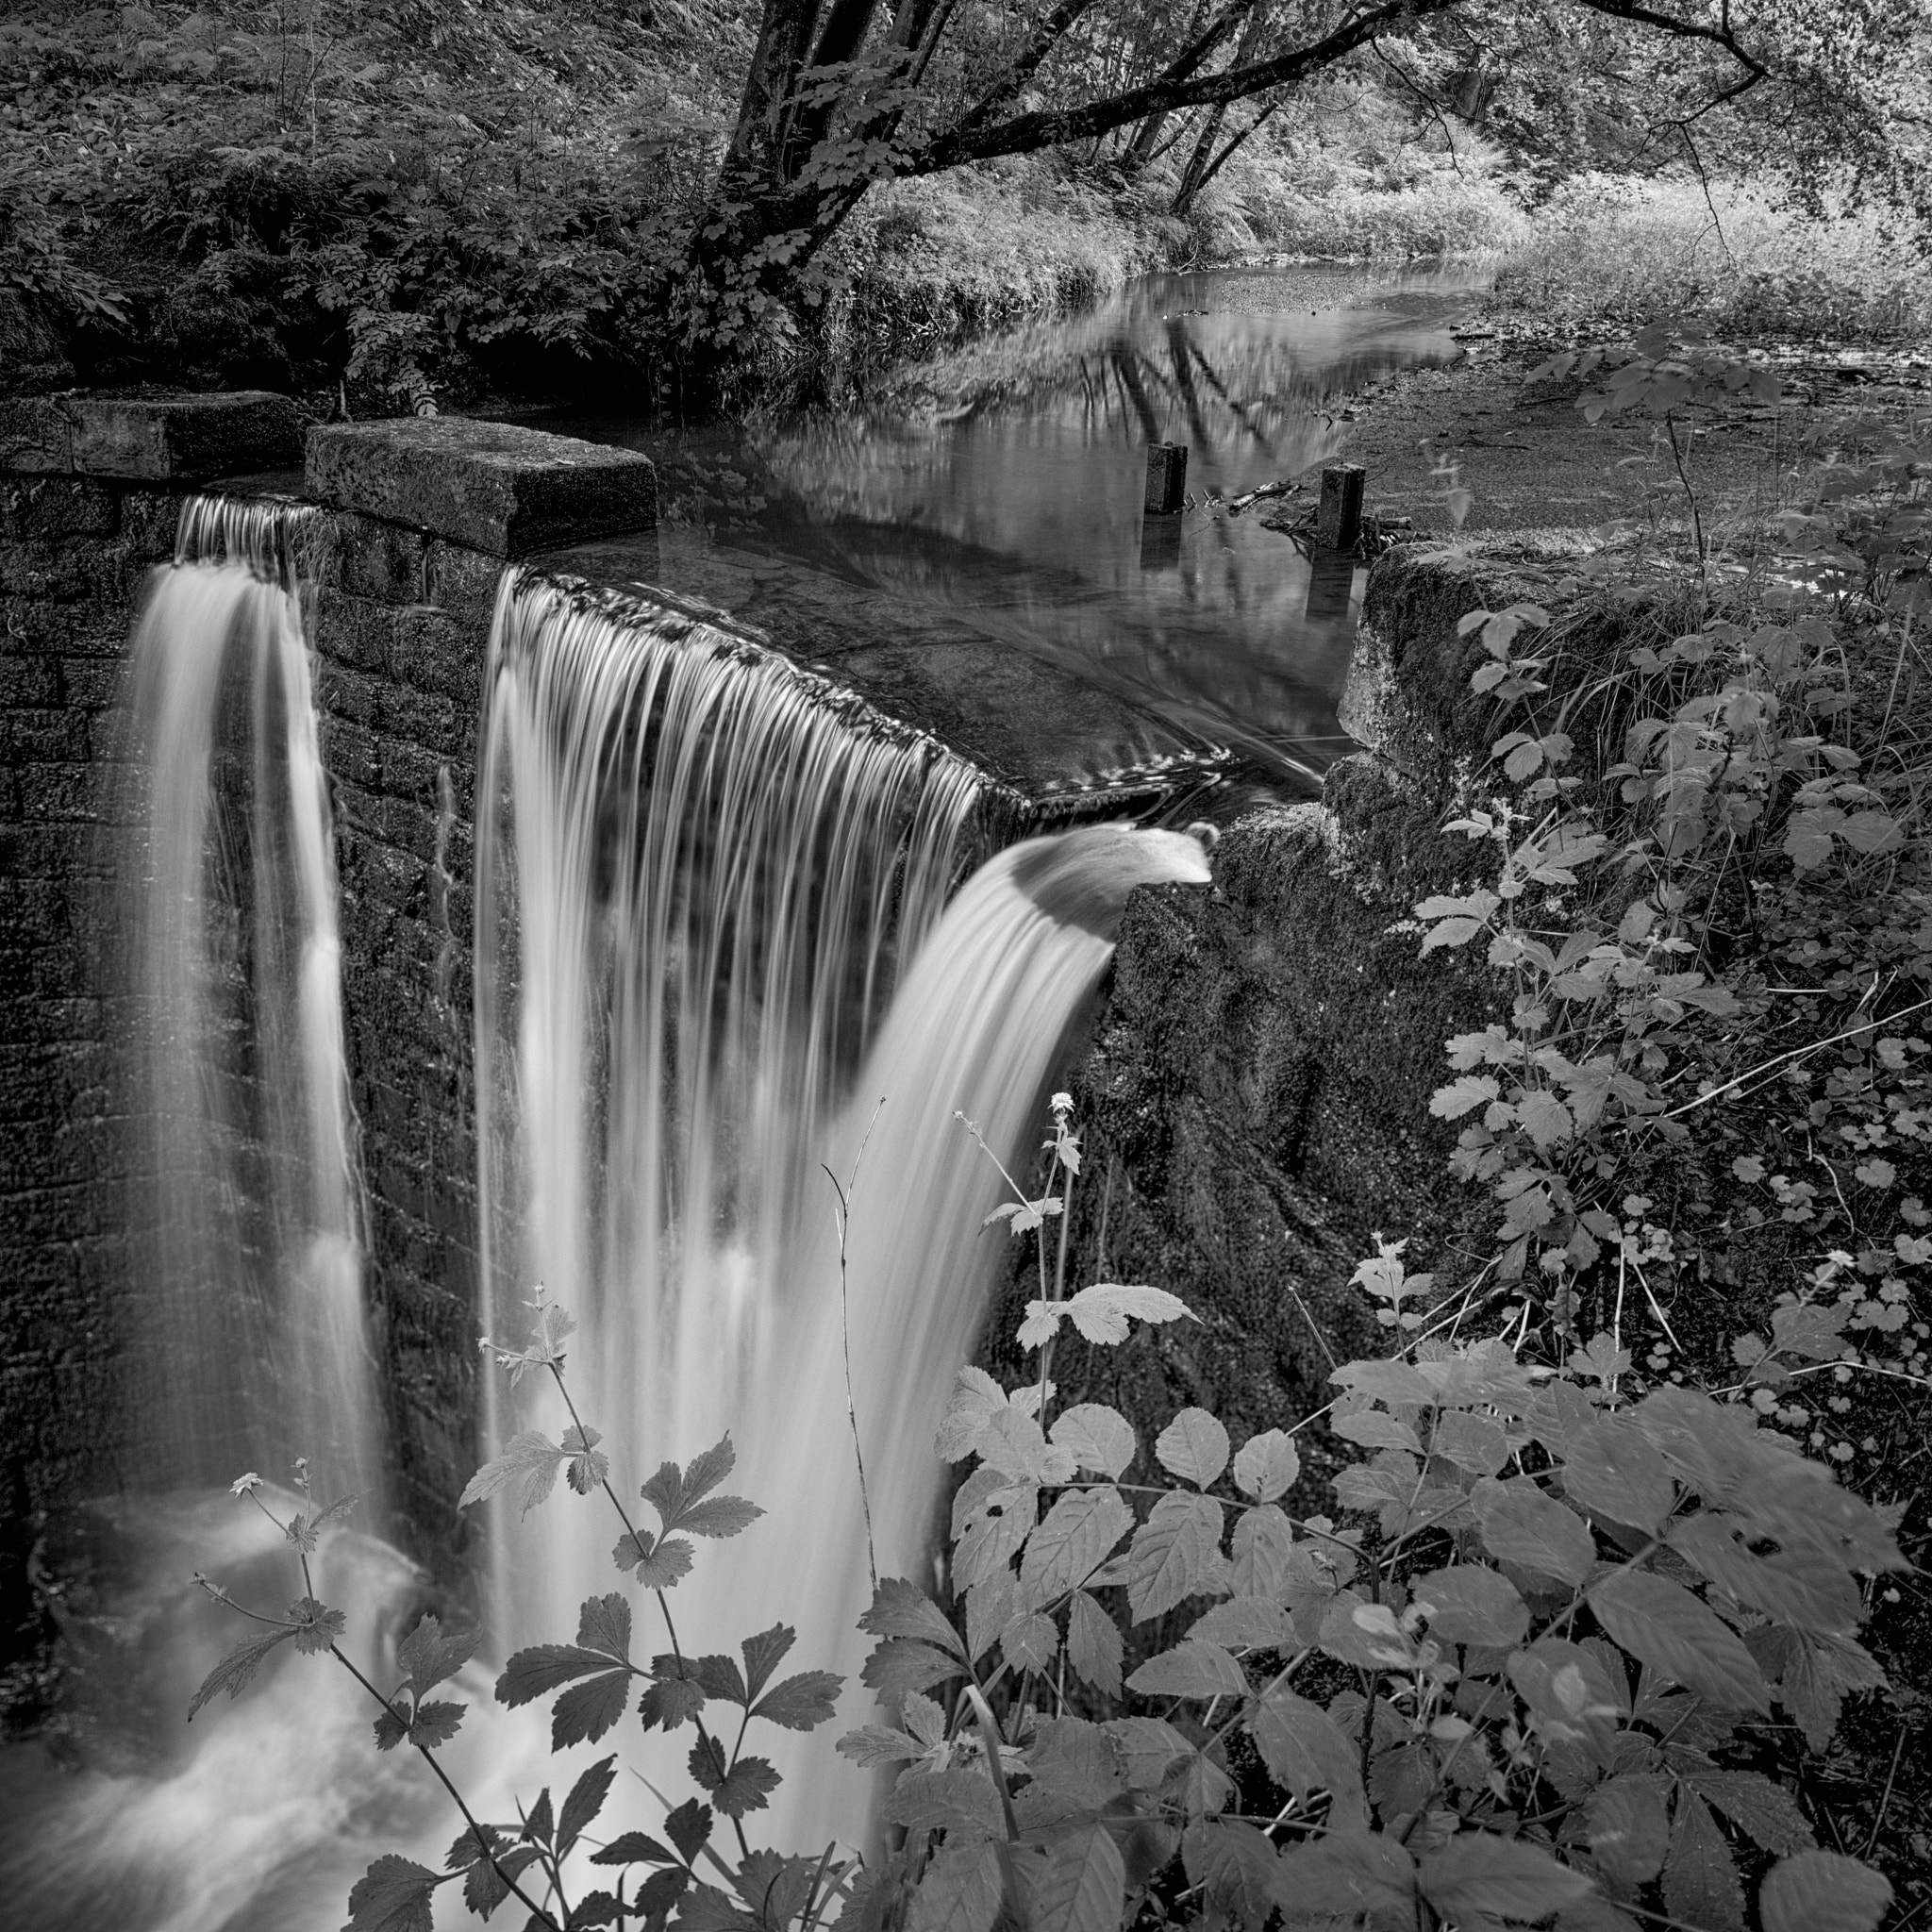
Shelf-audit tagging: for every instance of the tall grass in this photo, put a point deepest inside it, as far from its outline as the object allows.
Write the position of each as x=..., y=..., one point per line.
x=1604, y=249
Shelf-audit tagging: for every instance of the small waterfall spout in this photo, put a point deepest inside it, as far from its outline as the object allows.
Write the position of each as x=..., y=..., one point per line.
x=252, y=1320
x=700, y=873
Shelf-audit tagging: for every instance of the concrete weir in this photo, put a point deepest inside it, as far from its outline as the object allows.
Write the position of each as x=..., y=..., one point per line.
x=409, y=528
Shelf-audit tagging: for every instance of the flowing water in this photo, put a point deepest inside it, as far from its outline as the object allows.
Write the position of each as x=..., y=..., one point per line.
x=738, y=936
x=251, y=1324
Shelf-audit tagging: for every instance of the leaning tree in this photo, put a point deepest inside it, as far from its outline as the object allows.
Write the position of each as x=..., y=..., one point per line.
x=839, y=94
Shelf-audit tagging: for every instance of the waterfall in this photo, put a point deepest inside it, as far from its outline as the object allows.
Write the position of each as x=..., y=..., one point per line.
x=700, y=872
x=249, y=1217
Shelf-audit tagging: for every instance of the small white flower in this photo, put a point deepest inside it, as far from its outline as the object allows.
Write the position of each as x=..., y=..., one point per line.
x=1063, y=1103
x=245, y=1484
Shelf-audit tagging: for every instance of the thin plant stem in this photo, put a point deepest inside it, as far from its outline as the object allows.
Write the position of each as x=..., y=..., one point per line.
x=844, y=1195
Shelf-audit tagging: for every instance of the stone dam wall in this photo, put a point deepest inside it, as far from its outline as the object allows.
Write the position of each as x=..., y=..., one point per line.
x=408, y=528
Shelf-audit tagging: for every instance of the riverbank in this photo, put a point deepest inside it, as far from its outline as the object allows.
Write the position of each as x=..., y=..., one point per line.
x=1529, y=461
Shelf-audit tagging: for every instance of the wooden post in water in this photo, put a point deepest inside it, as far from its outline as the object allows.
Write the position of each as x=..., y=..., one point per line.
x=1167, y=479
x=1339, y=520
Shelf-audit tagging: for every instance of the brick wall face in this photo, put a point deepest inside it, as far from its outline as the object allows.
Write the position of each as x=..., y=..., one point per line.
x=73, y=553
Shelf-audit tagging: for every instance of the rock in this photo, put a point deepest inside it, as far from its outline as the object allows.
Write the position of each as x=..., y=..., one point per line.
x=185, y=438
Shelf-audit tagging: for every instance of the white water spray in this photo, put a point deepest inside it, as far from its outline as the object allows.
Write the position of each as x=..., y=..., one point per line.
x=700, y=869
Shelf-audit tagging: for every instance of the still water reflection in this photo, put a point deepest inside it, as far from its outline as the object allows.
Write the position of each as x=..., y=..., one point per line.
x=1006, y=488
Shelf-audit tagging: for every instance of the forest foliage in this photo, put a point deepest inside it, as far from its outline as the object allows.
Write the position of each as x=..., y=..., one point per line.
x=434, y=197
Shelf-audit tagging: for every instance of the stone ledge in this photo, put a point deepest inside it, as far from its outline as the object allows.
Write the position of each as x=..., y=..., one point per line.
x=185, y=438
x=494, y=486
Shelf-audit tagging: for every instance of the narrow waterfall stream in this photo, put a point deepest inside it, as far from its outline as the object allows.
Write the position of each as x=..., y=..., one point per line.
x=700, y=872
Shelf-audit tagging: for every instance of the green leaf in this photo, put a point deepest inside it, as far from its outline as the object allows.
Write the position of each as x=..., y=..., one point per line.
x=949, y=1801
x=1568, y=1691
x=1190, y=1669
x=585, y=1801
x=720, y=1516
x=1150, y=1750
x=900, y=1609
x=705, y=1908
x=1101, y=1313
x=962, y=1890
x=1347, y=1874
x=1822, y=1891
x=1751, y=1801
x=1029, y=1642
x=1477, y=1875
x=426, y=1657
x=1094, y=1645
x=1193, y=1446
x=1627, y=1828
x=1262, y=1543
x=1699, y=1876
x=1175, y=1554
x=657, y=1565
x=634, y=1848
x=1809, y=1588
x=765, y=1651
x=532, y=1672
x=674, y=1493
x=871, y=1745
x=899, y=1664
x=1305, y=1752
x=434, y=1723
x=588, y=1465
x=528, y=1469
x=1366, y=1635
x=1611, y=1470
x=484, y=1886
x=237, y=1668
x=587, y=1711
x=1246, y=1622
x=688, y=1827
x=1472, y=1603
x=1234, y=1864
x=604, y=1623
x=719, y=1677
x=1078, y=1532
x=1266, y=1465
x=1083, y=1886
x=1522, y=1526
x=1470, y=1442
x=801, y=1702
x=1661, y=1622
x=1098, y=1438
x=395, y=1894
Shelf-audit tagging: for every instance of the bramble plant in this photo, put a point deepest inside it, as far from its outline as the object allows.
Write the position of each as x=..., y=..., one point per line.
x=1510, y=1688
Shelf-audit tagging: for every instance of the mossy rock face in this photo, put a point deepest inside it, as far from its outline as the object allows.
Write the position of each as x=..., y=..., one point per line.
x=33, y=360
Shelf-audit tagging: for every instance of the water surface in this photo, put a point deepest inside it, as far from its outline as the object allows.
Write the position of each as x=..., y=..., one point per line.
x=1004, y=486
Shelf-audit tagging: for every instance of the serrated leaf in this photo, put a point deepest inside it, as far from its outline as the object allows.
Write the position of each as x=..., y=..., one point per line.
x=1766, y=1811
x=1458, y=1097
x=974, y=1398
x=1097, y=1437
x=706, y=1908
x=1083, y=1886
x=435, y=1723
x=485, y=1886
x=1013, y=1444
x=961, y=1891
x=1233, y=1864
x=1175, y=1554
x=1192, y=1669
x=1094, y=1645
x=588, y=1465
x=1102, y=1313
x=1150, y=1750
x=634, y=1848
x=604, y=1623
x=1473, y=1442
x=719, y=1516
x=900, y=1609
x=1522, y=1526
x=1247, y=1623
x=1611, y=1470
x=871, y=1745
x=235, y=1670
x=688, y=1827
x=1074, y=1538
x=950, y=1801
x=1262, y=1543
x=395, y=1894
x=1701, y=1884
x=1029, y=1642
x=585, y=1801
x=1627, y=1828
x=528, y=1469
x=543, y=1667
x=672, y=1493
x=426, y=1657
x=1472, y=1603
x=587, y=1711
x=1305, y=1752
x=765, y=1651
x=1193, y=1446
x=1477, y=1876
x=899, y=1664
x=1662, y=1624
x=1346, y=1875
x=1822, y=1891
x=720, y=1677
x=801, y=1702
x=1266, y=1465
